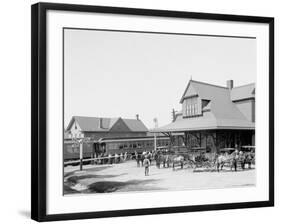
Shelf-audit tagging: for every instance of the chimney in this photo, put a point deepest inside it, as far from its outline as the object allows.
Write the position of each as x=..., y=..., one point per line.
x=173, y=115
x=155, y=122
x=100, y=123
x=229, y=84
x=137, y=117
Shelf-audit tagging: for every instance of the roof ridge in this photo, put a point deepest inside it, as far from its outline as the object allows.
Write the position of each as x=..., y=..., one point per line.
x=96, y=117
x=133, y=119
x=205, y=83
x=253, y=83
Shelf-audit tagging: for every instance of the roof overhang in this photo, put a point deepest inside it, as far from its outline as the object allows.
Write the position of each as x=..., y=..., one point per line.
x=164, y=130
x=201, y=124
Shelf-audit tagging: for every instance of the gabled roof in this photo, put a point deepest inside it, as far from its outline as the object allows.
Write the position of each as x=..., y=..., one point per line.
x=243, y=92
x=203, y=89
x=135, y=125
x=207, y=91
x=92, y=124
x=220, y=100
x=220, y=113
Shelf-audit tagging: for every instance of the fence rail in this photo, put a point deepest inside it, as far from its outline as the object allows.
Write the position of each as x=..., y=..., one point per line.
x=90, y=159
x=128, y=156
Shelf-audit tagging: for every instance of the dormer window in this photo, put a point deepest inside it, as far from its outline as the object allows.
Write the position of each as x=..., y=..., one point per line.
x=191, y=106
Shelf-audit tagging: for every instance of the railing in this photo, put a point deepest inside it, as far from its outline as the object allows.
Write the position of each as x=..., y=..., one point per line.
x=93, y=159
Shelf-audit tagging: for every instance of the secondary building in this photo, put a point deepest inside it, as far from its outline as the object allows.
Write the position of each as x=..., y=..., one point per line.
x=99, y=127
x=104, y=135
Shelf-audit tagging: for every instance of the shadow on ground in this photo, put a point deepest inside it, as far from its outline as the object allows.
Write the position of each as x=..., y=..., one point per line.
x=75, y=179
x=94, y=169
x=112, y=186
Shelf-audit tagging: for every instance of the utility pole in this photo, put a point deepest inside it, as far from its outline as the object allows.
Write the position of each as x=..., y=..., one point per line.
x=80, y=142
x=81, y=153
x=155, y=126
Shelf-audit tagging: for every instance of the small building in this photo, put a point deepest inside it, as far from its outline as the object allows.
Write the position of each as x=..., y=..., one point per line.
x=99, y=131
x=99, y=127
x=214, y=117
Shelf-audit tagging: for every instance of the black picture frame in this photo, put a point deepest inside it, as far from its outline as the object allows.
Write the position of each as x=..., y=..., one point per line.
x=39, y=108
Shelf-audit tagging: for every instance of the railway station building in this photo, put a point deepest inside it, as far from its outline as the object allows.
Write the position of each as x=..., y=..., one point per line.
x=213, y=117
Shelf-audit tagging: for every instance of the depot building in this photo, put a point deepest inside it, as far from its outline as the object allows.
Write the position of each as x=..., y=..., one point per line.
x=213, y=117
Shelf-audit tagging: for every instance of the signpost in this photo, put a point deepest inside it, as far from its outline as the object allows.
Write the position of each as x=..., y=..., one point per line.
x=80, y=142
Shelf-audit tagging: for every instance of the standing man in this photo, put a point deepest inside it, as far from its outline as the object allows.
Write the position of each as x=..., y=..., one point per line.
x=138, y=159
x=235, y=159
x=146, y=164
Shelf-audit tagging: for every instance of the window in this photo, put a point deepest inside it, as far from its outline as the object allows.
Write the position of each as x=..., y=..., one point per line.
x=192, y=107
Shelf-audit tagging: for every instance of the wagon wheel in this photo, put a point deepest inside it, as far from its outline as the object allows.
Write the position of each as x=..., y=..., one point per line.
x=191, y=164
x=211, y=165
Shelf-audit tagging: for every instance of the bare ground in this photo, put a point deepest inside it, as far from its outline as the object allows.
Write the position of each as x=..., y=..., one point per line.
x=125, y=177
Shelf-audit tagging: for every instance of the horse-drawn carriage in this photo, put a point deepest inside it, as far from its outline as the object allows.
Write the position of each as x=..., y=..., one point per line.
x=235, y=158
x=180, y=156
x=199, y=158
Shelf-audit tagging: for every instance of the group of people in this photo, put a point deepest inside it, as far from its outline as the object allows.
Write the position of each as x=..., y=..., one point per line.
x=112, y=158
x=145, y=158
x=117, y=158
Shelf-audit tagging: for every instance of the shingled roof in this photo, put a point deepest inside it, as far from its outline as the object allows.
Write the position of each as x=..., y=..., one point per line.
x=243, y=92
x=92, y=124
x=222, y=112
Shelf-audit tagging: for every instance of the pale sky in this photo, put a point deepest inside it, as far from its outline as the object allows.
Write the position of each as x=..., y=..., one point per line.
x=121, y=74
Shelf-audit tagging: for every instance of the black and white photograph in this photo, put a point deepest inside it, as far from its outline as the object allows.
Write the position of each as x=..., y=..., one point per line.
x=141, y=111
x=152, y=111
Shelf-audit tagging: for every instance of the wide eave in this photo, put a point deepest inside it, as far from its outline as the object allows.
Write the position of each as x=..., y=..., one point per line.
x=205, y=124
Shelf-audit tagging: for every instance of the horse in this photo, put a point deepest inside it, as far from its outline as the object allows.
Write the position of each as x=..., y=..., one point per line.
x=163, y=158
x=233, y=159
x=142, y=158
x=177, y=159
x=221, y=160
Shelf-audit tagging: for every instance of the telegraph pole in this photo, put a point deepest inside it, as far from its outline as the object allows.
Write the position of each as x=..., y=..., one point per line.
x=80, y=142
x=81, y=153
x=155, y=126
